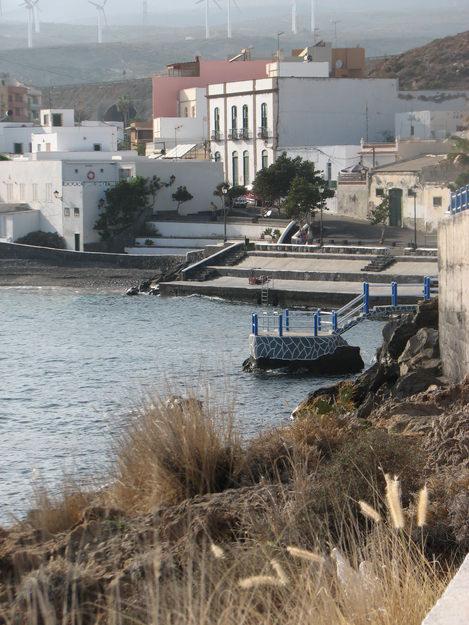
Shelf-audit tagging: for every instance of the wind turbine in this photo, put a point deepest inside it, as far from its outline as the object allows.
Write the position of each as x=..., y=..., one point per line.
x=207, y=15
x=37, y=23
x=29, y=6
x=294, y=27
x=229, y=30
x=101, y=17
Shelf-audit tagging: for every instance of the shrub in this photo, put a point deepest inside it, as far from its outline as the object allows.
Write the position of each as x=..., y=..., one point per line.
x=43, y=239
x=173, y=450
x=149, y=243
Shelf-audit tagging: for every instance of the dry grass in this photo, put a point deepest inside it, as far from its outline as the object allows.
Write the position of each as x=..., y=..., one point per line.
x=174, y=450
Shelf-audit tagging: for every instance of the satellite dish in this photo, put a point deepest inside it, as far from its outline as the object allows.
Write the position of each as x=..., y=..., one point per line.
x=339, y=64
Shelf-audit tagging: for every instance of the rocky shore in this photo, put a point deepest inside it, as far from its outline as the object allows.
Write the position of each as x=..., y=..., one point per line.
x=400, y=417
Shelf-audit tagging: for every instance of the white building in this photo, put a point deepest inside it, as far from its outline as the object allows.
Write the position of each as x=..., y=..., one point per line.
x=188, y=127
x=64, y=191
x=430, y=124
x=296, y=109
x=57, y=132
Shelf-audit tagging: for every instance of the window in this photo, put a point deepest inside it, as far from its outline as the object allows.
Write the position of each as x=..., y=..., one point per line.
x=76, y=212
x=46, y=120
x=35, y=192
x=39, y=147
x=18, y=97
x=379, y=192
x=186, y=112
x=235, y=166
x=9, y=192
x=217, y=157
x=234, y=118
x=245, y=117
x=264, y=116
x=18, y=148
x=124, y=174
x=216, y=121
x=246, y=168
x=193, y=113
x=66, y=212
x=48, y=147
x=265, y=159
x=437, y=201
x=48, y=192
x=97, y=147
x=57, y=119
x=22, y=191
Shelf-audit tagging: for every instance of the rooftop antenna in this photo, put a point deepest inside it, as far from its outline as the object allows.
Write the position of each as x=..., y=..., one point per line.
x=294, y=26
x=334, y=23
x=207, y=15
x=101, y=18
x=30, y=9
x=313, y=19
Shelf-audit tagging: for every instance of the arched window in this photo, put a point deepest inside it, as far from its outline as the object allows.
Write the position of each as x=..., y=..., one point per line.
x=217, y=157
x=264, y=121
x=234, y=118
x=245, y=168
x=245, y=117
x=235, y=167
x=265, y=159
x=216, y=120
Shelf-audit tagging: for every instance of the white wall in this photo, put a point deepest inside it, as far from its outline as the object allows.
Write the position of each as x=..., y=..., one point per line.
x=77, y=139
x=16, y=225
x=430, y=124
x=299, y=69
x=209, y=229
x=11, y=134
x=315, y=111
x=190, y=129
x=200, y=178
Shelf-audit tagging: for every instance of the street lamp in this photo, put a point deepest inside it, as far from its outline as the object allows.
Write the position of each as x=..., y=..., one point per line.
x=413, y=193
x=225, y=192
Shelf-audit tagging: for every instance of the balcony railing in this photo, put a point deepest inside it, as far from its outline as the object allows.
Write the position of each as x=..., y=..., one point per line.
x=263, y=133
x=217, y=136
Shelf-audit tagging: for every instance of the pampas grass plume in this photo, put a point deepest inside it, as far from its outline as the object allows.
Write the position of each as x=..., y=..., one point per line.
x=258, y=581
x=369, y=512
x=217, y=552
x=393, y=499
x=303, y=554
x=283, y=579
x=422, y=507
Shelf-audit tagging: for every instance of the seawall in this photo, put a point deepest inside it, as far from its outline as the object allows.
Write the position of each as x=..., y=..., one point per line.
x=68, y=258
x=453, y=245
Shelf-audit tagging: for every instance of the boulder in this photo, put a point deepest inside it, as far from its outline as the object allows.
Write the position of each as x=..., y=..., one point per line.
x=425, y=341
x=396, y=335
x=414, y=382
x=427, y=315
x=424, y=362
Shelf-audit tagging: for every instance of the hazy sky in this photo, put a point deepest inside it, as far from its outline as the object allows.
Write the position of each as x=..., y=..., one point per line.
x=81, y=10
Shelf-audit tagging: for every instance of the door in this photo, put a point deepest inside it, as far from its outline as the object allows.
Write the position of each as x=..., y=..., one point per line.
x=77, y=242
x=395, y=207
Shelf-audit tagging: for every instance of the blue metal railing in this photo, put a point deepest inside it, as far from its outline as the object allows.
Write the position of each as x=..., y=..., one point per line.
x=460, y=200
x=319, y=321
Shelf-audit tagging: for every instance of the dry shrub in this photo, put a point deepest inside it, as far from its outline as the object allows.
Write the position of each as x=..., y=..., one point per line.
x=59, y=510
x=174, y=450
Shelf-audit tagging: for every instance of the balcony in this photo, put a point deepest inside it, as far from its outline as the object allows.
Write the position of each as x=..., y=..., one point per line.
x=216, y=136
x=263, y=133
x=239, y=135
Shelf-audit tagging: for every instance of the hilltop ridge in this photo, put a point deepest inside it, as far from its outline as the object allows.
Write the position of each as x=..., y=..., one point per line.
x=441, y=64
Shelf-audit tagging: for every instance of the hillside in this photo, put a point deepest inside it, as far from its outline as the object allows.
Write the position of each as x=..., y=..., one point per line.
x=441, y=64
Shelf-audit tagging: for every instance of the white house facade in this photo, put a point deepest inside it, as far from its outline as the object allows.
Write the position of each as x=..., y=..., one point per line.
x=67, y=190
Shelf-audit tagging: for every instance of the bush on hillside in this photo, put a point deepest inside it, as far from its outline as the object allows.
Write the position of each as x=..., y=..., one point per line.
x=43, y=239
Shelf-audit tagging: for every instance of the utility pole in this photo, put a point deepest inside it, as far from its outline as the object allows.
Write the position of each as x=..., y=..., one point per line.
x=278, y=44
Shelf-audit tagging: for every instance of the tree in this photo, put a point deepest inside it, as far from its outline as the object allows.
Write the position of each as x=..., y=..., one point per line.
x=459, y=156
x=306, y=196
x=273, y=183
x=125, y=107
x=181, y=196
x=126, y=204
x=379, y=215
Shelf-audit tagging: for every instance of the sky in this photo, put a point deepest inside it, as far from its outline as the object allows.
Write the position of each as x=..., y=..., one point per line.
x=80, y=11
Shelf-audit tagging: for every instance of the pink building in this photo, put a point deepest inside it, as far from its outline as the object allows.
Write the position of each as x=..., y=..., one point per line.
x=199, y=73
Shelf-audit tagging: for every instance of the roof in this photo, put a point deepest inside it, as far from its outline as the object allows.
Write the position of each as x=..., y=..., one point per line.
x=180, y=151
x=14, y=208
x=411, y=165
